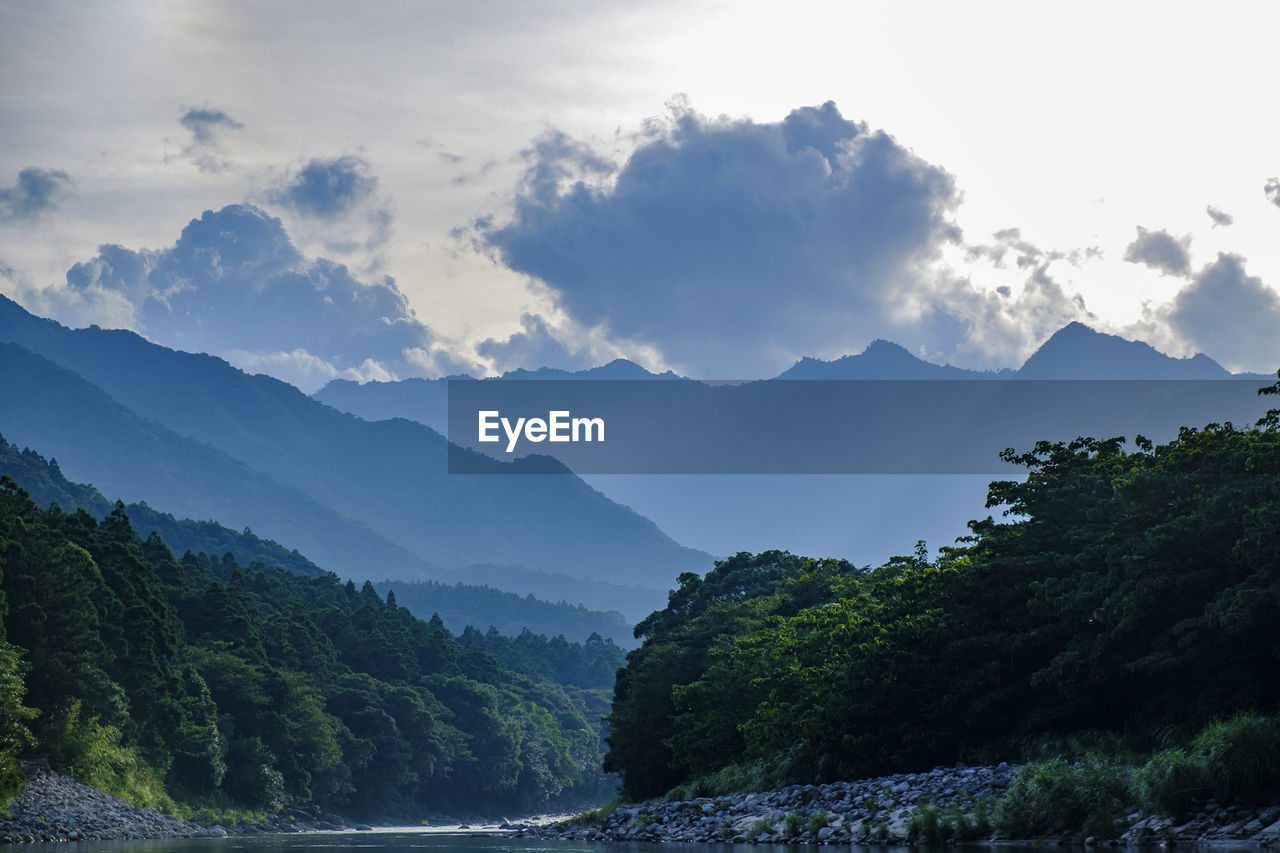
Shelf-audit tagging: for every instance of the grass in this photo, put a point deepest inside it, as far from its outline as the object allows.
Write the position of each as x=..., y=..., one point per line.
x=1055, y=797
x=817, y=822
x=1235, y=761
x=935, y=826
x=595, y=817
x=733, y=779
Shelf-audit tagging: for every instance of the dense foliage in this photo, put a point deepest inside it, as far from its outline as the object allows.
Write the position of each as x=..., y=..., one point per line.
x=459, y=605
x=1134, y=592
x=229, y=685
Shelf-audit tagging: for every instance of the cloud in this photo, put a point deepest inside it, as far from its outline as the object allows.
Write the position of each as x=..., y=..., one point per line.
x=563, y=344
x=1272, y=191
x=206, y=126
x=534, y=345
x=234, y=285
x=327, y=189
x=38, y=191
x=732, y=247
x=1219, y=217
x=1161, y=251
x=338, y=207
x=1230, y=315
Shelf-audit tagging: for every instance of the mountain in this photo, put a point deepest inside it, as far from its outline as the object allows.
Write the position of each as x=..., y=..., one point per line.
x=1073, y=352
x=427, y=400
x=880, y=360
x=387, y=476
x=862, y=518
x=98, y=440
x=1077, y=352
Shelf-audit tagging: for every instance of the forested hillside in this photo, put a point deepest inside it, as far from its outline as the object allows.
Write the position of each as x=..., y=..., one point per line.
x=222, y=685
x=458, y=605
x=1129, y=589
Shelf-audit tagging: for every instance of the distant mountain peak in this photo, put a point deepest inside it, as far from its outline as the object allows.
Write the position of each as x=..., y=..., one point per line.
x=880, y=360
x=1077, y=351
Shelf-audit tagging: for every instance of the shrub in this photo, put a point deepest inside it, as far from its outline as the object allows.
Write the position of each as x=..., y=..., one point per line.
x=1171, y=782
x=11, y=781
x=1051, y=797
x=926, y=825
x=792, y=823
x=1241, y=757
x=595, y=817
x=817, y=821
x=92, y=753
x=732, y=779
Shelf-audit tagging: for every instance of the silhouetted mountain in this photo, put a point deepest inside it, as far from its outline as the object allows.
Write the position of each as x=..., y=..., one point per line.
x=880, y=360
x=1077, y=352
x=427, y=400
x=733, y=513
x=388, y=475
x=619, y=368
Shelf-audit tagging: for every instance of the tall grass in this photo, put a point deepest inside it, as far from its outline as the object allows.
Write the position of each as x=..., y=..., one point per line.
x=1234, y=761
x=1055, y=797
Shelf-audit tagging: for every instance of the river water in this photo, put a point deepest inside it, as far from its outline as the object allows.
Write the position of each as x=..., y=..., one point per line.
x=410, y=840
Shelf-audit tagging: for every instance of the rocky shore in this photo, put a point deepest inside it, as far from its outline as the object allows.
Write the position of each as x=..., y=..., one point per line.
x=53, y=807
x=895, y=809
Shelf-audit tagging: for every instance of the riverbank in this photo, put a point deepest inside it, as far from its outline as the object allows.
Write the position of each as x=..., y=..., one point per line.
x=956, y=804
x=53, y=807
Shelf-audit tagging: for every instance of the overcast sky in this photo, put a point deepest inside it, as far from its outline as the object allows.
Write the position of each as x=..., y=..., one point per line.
x=393, y=189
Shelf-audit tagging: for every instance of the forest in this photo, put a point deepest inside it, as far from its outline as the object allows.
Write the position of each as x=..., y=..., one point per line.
x=200, y=684
x=1122, y=592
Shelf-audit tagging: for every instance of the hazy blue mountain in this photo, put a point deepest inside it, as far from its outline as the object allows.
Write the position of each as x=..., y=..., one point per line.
x=389, y=476
x=97, y=440
x=1073, y=352
x=427, y=400
x=880, y=360
x=1077, y=352
x=863, y=518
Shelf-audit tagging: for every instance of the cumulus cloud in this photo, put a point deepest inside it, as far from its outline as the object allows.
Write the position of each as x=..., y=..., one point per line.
x=561, y=343
x=327, y=189
x=1219, y=217
x=730, y=246
x=235, y=285
x=1229, y=314
x=1161, y=251
x=1272, y=191
x=37, y=192
x=534, y=345
x=338, y=207
x=206, y=126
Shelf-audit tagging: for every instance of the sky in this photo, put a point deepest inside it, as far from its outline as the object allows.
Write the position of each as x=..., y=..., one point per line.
x=376, y=191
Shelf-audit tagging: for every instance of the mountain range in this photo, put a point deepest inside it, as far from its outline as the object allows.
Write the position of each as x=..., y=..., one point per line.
x=193, y=436
x=355, y=477
x=870, y=518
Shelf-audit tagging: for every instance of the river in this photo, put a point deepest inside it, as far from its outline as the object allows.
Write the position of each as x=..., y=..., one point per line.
x=409, y=840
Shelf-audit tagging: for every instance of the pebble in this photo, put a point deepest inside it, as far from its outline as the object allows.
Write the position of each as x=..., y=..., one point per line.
x=53, y=807
x=879, y=811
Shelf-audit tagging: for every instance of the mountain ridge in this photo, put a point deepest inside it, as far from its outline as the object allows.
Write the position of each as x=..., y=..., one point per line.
x=388, y=475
